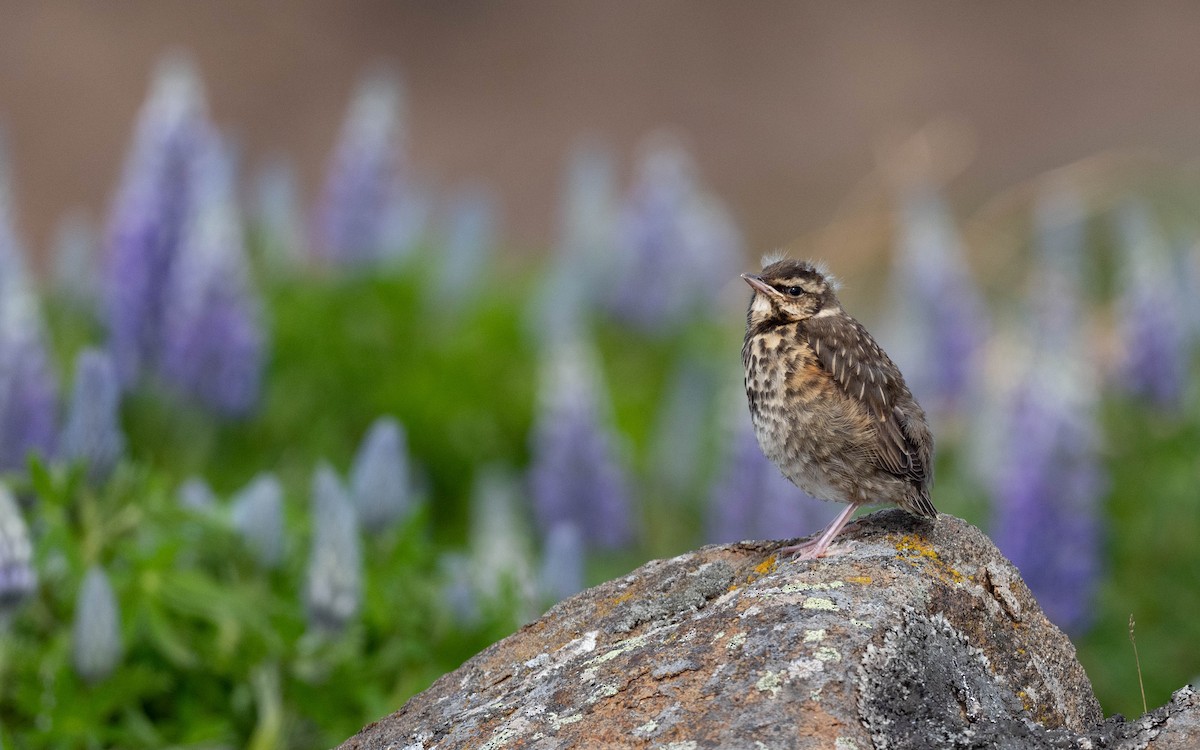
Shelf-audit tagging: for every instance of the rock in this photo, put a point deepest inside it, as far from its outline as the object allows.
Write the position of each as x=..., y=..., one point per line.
x=911, y=634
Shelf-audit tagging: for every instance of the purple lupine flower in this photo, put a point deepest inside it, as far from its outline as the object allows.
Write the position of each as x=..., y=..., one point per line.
x=939, y=323
x=499, y=538
x=459, y=592
x=379, y=479
x=1052, y=321
x=369, y=209
x=334, y=588
x=96, y=634
x=28, y=386
x=18, y=580
x=196, y=494
x=467, y=241
x=257, y=514
x=575, y=475
x=561, y=573
x=1047, y=489
x=76, y=261
x=151, y=213
x=681, y=429
x=1153, y=328
x=677, y=246
x=751, y=499
x=213, y=339
x=92, y=435
x=582, y=261
x=277, y=216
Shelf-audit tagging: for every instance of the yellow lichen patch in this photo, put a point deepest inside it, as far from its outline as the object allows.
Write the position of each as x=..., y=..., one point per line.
x=864, y=580
x=623, y=598
x=914, y=548
x=766, y=566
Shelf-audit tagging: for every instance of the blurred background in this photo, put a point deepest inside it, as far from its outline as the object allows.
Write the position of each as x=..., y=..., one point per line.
x=339, y=339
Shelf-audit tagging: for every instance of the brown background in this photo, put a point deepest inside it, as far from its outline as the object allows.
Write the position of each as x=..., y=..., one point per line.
x=784, y=104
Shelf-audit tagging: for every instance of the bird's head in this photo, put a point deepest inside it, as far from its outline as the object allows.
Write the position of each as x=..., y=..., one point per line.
x=788, y=291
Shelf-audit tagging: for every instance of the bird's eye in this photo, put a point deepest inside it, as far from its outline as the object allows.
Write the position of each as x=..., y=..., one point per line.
x=794, y=291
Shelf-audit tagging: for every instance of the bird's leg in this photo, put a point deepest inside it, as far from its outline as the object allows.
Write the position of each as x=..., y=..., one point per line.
x=814, y=548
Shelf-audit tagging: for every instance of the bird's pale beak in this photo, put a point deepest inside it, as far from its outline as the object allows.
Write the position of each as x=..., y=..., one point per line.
x=758, y=284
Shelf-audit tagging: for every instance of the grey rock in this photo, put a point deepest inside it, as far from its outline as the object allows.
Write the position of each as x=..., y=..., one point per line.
x=911, y=634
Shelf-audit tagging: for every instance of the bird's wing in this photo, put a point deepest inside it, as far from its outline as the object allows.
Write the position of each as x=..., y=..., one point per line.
x=866, y=374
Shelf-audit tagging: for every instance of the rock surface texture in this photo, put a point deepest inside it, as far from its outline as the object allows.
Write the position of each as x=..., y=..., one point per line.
x=911, y=634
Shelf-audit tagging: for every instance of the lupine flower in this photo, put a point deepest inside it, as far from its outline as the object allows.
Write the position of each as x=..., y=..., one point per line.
x=92, y=435
x=334, y=590
x=562, y=563
x=677, y=245
x=582, y=255
x=257, y=513
x=1047, y=490
x=752, y=500
x=459, y=591
x=96, y=636
x=213, y=340
x=1046, y=476
x=498, y=536
x=196, y=494
x=369, y=209
x=149, y=218
x=1152, y=319
x=467, y=241
x=379, y=481
x=575, y=476
x=681, y=429
x=17, y=577
x=939, y=321
x=277, y=216
x=28, y=387
x=76, y=261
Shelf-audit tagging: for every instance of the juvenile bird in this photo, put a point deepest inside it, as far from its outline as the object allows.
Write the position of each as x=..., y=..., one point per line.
x=829, y=407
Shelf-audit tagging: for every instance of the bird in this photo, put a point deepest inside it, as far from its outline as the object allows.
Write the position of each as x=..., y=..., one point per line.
x=830, y=409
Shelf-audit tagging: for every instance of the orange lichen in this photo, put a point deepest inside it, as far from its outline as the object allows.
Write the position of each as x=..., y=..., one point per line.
x=914, y=548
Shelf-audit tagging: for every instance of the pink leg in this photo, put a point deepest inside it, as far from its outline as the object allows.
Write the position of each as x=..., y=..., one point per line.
x=812, y=549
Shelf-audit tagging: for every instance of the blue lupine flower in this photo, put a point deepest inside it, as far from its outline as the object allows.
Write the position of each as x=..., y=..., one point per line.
x=499, y=538
x=28, y=386
x=1047, y=490
x=575, y=475
x=277, y=216
x=681, y=429
x=940, y=325
x=562, y=563
x=334, y=589
x=1047, y=480
x=213, y=340
x=466, y=245
x=196, y=494
x=257, y=514
x=92, y=435
x=459, y=592
x=77, y=261
x=677, y=246
x=96, y=635
x=17, y=577
x=1153, y=325
x=379, y=479
x=152, y=210
x=583, y=253
x=370, y=209
x=751, y=499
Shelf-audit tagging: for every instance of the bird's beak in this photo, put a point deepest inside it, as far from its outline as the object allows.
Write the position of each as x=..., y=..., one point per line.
x=759, y=285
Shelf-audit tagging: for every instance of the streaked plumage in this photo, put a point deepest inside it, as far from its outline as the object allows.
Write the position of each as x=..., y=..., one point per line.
x=829, y=407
